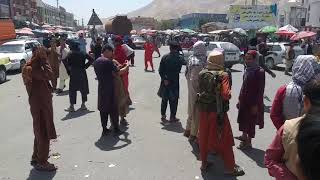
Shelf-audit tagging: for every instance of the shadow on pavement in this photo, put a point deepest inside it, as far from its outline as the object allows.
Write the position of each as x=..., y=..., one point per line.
x=257, y=155
x=13, y=72
x=195, y=150
x=173, y=127
x=109, y=143
x=64, y=93
x=37, y=175
x=76, y=114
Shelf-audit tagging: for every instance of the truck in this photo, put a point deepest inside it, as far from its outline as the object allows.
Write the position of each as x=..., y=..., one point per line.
x=119, y=25
x=7, y=30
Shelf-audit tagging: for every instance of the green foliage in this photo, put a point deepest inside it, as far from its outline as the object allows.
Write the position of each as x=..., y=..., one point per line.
x=166, y=24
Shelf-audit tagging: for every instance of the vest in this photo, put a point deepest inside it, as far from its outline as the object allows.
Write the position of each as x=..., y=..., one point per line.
x=209, y=96
x=290, y=132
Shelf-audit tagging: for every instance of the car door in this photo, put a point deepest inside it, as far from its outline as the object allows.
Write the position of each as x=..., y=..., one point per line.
x=277, y=54
x=28, y=50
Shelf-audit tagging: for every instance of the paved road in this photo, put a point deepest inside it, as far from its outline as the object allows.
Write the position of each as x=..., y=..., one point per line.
x=147, y=151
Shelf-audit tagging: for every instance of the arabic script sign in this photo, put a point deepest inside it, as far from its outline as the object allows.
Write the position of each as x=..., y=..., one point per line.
x=251, y=17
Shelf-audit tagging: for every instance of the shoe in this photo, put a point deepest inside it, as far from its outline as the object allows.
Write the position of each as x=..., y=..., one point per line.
x=58, y=91
x=129, y=101
x=238, y=171
x=192, y=138
x=164, y=119
x=105, y=132
x=70, y=109
x=173, y=120
x=117, y=131
x=124, y=122
x=83, y=107
x=33, y=162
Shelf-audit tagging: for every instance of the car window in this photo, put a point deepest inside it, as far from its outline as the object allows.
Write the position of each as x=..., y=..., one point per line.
x=28, y=47
x=229, y=47
x=212, y=47
x=11, y=48
x=276, y=48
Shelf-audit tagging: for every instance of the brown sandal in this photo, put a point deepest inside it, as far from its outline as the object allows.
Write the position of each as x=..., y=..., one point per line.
x=46, y=167
x=186, y=133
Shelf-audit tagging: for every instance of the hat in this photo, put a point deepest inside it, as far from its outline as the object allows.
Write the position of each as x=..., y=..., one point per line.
x=216, y=60
x=253, y=53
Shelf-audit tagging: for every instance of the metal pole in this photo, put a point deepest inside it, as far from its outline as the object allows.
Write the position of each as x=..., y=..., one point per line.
x=58, y=13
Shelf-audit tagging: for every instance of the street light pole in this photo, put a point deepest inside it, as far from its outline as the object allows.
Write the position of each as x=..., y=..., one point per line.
x=58, y=12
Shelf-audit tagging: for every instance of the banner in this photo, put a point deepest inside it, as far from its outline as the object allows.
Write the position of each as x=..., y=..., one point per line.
x=252, y=17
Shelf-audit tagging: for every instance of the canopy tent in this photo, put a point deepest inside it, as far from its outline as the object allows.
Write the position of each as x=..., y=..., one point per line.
x=27, y=29
x=302, y=35
x=225, y=31
x=46, y=26
x=288, y=28
x=240, y=31
x=190, y=31
x=285, y=33
x=268, y=29
x=25, y=32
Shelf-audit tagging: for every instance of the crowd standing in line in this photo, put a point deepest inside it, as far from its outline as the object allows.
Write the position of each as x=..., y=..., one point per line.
x=292, y=155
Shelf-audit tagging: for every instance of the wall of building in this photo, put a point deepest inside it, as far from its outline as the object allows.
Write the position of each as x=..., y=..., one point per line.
x=4, y=8
x=24, y=10
x=192, y=21
x=313, y=14
x=140, y=23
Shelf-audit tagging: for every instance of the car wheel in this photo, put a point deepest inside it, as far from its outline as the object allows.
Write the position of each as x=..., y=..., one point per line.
x=22, y=64
x=3, y=75
x=270, y=63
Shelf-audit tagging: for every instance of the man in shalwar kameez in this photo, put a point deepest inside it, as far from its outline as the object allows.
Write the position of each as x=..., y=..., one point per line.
x=250, y=105
x=195, y=64
x=62, y=51
x=121, y=57
x=36, y=76
x=215, y=133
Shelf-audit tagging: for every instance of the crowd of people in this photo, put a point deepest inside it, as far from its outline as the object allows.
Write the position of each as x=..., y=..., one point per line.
x=293, y=153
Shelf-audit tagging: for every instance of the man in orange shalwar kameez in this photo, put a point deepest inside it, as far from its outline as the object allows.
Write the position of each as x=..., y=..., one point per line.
x=36, y=76
x=148, y=51
x=215, y=132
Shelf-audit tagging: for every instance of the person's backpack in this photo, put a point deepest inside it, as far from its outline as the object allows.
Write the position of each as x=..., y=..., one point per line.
x=209, y=96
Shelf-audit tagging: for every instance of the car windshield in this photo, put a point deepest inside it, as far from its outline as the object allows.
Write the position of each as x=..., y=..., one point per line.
x=138, y=39
x=229, y=47
x=11, y=48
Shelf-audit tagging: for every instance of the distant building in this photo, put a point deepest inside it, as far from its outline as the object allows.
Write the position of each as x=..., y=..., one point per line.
x=313, y=15
x=140, y=23
x=4, y=8
x=52, y=15
x=24, y=10
x=192, y=21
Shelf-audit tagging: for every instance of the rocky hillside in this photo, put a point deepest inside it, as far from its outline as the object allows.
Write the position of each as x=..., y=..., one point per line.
x=170, y=9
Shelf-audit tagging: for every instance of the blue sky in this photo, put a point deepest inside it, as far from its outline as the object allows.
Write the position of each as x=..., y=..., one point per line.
x=104, y=8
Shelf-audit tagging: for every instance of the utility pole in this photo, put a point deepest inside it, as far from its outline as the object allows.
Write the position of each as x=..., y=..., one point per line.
x=58, y=12
x=82, y=24
x=254, y=2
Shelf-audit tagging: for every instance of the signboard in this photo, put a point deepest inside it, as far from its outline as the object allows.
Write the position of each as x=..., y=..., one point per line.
x=252, y=17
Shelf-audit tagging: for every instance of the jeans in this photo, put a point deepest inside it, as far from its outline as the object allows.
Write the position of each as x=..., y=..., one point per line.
x=173, y=106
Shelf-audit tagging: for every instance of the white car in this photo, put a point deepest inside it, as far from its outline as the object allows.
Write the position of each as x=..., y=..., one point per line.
x=231, y=52
x=279, y=52
x=138, y=42
x=19, y=52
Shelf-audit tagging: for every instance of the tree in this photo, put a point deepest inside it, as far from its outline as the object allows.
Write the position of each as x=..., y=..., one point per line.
x=166, y=24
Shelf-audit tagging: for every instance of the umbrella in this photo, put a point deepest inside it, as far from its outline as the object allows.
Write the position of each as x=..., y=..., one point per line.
x=25, y=32
x=285, y=33
x=27, y=29
x=302, y=35
x=46, y=26
x=188, y=31
x=268, y=29
x=58, y=30
x=288, y=28
x=240, y=31
x=47, y=32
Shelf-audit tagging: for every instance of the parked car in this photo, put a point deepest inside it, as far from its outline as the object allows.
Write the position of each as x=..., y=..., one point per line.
x=138, y=42
x=279, y=52
x=231, y=51
x=5, y=65
x=19, y=52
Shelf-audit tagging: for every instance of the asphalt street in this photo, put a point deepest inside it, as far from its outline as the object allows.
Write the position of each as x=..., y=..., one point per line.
x=147, y=151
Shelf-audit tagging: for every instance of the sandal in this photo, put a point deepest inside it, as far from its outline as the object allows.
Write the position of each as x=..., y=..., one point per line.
x=46, y=167
x=164, y=119
x=238, y=171
x=186, y=133
x=205, y=168
x=244, y=146
x=173, y=120
x=240, y=138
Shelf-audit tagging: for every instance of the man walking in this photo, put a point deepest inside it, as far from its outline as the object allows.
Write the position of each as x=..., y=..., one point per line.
x=169, y=70
x=148, y=51
x=106, y=71
x=62, y=51
x=250, y=103
x=290, y=55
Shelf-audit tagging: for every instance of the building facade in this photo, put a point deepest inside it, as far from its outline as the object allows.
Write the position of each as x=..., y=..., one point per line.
x=313, y=14
x=52, y=15
x=140, y=23
x=4, y=8
x=195, y=20
x=24, y=10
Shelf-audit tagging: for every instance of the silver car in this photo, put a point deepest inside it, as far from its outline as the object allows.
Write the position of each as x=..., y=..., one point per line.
x=231, y=52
